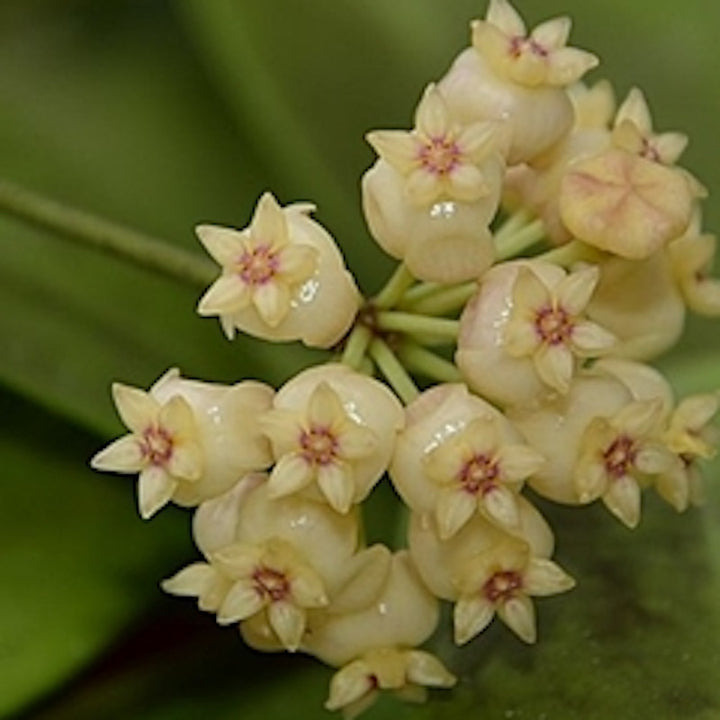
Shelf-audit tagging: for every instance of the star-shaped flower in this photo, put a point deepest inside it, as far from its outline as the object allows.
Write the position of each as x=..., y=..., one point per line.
x=318, y=445
x=260, y=267
x=502, y=580
x=439, y=158
x=617, y=454
x=478, y=470
x=163, y=446
x=540, y=58
x=548, y=324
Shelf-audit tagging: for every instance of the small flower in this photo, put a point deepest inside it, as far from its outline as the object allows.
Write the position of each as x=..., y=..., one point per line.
x=271, y=576
x=502, y=580
x=625, y=204
x=539, y=58
x=439, y=159
x=617, y=454
x=548, y=324
x=633, y=132
x=408, y=673
x=282, y=277
x=189, y=440
x=478, y=469
x=163, y=446
x=333, y=428
x=691, y=259
x=690, y=437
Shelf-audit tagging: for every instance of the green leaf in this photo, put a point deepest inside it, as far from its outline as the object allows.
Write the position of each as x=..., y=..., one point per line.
x=77, y=563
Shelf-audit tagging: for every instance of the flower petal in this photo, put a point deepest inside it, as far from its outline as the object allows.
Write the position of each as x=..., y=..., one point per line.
x=518, y=613
x=223, y=244
x=555, y=365
x=336, y=482
x=272, y=301
x=155, y=488
x=268, y=225
x=228, y=294
x=432, y=116
x=544, y=577
x=291, y=474
x=502, y=506
x=191, y=581
x=589, y=339
x=242, y=601
x=574, y=291
x=137, y=409
x=397, y=147
x=454, y=508
x=288, y=621
x=123, y=455
x=470, y=617
x=623, y=500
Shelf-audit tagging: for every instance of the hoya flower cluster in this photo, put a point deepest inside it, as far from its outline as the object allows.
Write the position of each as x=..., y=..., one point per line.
x=549, y=247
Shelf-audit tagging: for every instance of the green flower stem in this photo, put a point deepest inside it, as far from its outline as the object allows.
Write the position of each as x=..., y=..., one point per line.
x=85, y=229
x=356, y=347
x=394, y=289
x=445, y=300
x=419, y=292
x=393, y=371
x=512, y=224
x=570, y=253
x=412, y=324
x=510, y=245
x=427, y=363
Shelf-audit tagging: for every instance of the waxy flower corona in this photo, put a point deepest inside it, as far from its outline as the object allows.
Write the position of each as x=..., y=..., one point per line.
x=549, y=247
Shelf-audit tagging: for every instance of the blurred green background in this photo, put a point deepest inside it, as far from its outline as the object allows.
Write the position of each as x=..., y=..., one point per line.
x=161, y=115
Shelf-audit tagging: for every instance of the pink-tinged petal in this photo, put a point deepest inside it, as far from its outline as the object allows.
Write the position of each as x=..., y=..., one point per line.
x=228, y=294
x=623, y=500
x=506, y=18
x=544, y=577
x=223, y=244
x=397, y=147
x=589, y=339
x=123, y=455
x=467, y=183
x=574, y=291
x=568, y=65
x=288, y=621
x=501, y=505
x=552, y=34
x=555, y=365
x=155, y=488
x=291, y=474
x=336, y=483
x=269, y=225
x=325, y=407
x=242, y=601
x=454, y=508
x=297, y=263
x=191, y=581
x=470, y=617
x=422, y=187
x=518, y=613
x=272, y=301
x=635, y=109
x=432, y=116
x=137, y=409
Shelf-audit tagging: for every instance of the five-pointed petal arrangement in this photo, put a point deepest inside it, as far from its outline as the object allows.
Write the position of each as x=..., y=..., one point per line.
x=439, y=158
x=162, y=447
x=548, y=324
x=319, y=445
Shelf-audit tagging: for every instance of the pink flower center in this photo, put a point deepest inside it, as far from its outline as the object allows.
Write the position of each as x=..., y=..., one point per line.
x=520, y=45
x=478, y=474
x=619, y=456
x=319, y=445
x=553, y=325
x=440, y=155
x=156, y=445
x=271, y=584
x=502, y=586
x=649, y=151
x=258, y=266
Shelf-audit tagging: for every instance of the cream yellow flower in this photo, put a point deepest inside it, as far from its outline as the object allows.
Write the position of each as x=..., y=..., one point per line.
x=189, y=440
x=502, y=580
x=334, y=429
x=439, y=158
x=538, y=58
x=620, y=453
x=282, y=277
x=548, y=323
x=691, y=260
